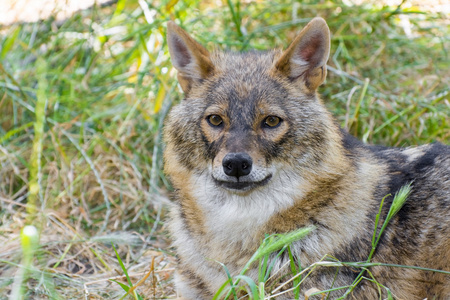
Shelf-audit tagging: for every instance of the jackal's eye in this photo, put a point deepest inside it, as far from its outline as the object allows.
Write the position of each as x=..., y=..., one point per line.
x=214, y=120
x=271, y=121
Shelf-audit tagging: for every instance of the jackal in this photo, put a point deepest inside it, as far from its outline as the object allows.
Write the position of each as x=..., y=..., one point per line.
x=252, y=151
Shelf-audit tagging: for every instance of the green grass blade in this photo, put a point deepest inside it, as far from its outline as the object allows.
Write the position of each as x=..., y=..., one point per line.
x=294, y=271
x=229, y=281
x=280, y=242
x=125, y=287
x=122, y=266
x=9, y=42
x=15, y=131
x=35, y=176
x=252, y=285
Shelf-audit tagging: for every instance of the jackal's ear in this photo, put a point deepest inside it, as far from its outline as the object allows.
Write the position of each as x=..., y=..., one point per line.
x=306, y=58
x=190, y=58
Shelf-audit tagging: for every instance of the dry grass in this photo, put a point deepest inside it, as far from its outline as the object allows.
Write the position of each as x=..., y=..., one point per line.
x=80, y=263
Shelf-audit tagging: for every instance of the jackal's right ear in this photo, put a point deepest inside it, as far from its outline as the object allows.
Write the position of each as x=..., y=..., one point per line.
x=190, y=58
x=306, y=58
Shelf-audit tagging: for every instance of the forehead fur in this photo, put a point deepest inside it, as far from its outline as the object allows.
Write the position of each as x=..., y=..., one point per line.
x=244, y=64
x=247, y=70
x=248, y=76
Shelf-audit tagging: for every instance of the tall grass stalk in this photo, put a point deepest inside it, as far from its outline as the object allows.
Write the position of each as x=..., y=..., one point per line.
x=397, y=203
x=35, y=174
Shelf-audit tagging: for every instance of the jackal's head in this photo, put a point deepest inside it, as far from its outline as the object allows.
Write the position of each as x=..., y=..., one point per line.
x=248, y=118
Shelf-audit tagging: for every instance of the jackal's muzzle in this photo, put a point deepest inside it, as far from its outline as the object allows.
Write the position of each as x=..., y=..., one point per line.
x=239, y=174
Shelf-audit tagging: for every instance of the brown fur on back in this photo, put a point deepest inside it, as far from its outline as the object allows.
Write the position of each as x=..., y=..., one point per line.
x=252, y=151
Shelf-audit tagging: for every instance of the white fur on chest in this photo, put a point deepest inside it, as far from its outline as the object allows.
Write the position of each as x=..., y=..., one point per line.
x=232, y=218
x=232, y=222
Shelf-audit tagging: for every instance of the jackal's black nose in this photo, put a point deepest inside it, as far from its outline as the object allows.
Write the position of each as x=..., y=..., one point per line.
x=237, y=164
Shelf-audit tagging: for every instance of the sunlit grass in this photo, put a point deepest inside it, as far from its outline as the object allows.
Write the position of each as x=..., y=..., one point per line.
x=82, y=102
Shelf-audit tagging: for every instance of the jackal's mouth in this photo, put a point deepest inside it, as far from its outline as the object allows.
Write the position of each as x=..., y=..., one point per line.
x=243, y=185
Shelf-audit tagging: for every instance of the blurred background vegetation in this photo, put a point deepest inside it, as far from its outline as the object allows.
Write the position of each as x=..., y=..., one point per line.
x=82, y=103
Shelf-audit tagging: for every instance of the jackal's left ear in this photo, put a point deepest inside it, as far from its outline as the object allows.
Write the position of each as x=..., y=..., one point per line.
x=306, y=58
x=190, y=58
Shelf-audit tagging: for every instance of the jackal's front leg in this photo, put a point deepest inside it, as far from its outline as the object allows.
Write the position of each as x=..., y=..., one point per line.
x=190, y=287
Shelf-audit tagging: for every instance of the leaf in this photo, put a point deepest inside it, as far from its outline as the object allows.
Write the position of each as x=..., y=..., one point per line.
x=283, y=240
x=170, y=5
x=159, y=99
x=251, y=284
x=229, y=281
x=123, y=267
x=9, y=42
x=125, y=287
x=390, y=297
